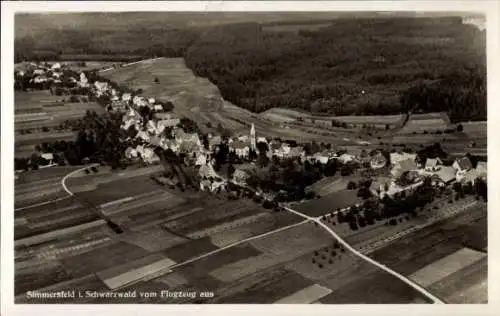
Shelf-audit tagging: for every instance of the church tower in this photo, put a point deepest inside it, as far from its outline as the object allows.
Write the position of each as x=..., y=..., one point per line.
x=253, y=144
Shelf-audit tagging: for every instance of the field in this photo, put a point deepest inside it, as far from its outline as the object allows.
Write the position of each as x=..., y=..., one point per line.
x=329, y=185
x=430, y=122
x=175, y=239
x=180, y=239
x=435, y=245
x=329, y=203
x=38, y=109
x=295, y=27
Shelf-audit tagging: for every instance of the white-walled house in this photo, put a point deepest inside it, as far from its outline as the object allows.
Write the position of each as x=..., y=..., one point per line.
x=433, y=164
x=462, y=165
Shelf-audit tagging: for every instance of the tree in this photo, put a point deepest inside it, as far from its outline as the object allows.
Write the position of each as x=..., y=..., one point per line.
x=460, y=128
x=230, y=170
x=157, y=80
x=351, y=185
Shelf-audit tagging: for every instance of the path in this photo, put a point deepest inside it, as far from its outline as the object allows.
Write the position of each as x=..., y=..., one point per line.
x=237, y=243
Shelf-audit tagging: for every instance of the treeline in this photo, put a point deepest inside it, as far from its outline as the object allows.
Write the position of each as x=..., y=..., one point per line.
x=104, y=45
x=462, y=96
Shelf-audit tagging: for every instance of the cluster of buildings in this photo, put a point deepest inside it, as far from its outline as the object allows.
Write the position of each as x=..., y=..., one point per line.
x=42, y=73
x=407, y=174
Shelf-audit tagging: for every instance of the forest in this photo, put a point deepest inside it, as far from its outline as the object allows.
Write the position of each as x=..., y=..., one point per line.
x=363, y=66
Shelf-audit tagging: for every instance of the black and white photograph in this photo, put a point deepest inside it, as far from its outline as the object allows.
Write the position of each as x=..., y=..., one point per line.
x=328, y=157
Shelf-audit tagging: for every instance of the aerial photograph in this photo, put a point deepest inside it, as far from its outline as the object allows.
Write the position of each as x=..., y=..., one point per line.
x=250, y=158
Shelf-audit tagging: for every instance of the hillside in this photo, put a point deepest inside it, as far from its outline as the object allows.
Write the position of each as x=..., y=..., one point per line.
x=353, y=66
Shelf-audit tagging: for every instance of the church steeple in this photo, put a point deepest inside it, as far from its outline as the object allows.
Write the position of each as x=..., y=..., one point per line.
x=253, y=144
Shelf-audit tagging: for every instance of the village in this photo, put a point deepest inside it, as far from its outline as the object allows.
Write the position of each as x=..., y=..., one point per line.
x=303, y=160
x=275, y=169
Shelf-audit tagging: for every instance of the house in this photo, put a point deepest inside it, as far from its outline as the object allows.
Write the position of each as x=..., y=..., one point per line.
x=167, y=119
x=147, y=154
x=240, y=176
x=126, y=97
x=433, y=164
x=345, y=158
x=436, y=181
x=378, y=161
x=403, y=166
x=481, y=166
x=243, y=138
x=207, y=171
x=49, y=157
x=205, y=185
x=274, y=147
x=189, y=147
x=321, y=158
x=296, y=152
x=181, y=136
x=101, y=87
x=462, y=165
x=380, y=187
x=446, y=173
x=214, y=142
x=131, y=153
x=472, y=175
x=201, y=159
x=386, y=187
x=39, y=72
x=143, y=135
x=261, y=140
x=398, y=157
x=240, y=148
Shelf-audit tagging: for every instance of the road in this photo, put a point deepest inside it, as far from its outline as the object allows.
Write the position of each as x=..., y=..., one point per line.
x=401, y=277
x=63, y=180
x=65, y=187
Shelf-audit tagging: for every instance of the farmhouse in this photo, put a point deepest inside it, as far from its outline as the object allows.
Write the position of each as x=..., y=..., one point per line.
x=462, y=165
x=131, y=153
x=240, y=176
x=48, y=156
x=167, y=119
x=481, y=166
x=433, y=164
x=446, y=174
x=436, y=181
x=397, y=157
x=322, y=158
x=345, y=158
x=261, y=139
x=207, y=171
x=380, y=187
x=147, y=154
x=472, y=175
x=213, y=142
x=386, y=187
x=240, y=148
x=403, y=166
x=126, y=97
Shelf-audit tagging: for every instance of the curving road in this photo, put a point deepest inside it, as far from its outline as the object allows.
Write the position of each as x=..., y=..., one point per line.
x=401, y=277
x=63, y=180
